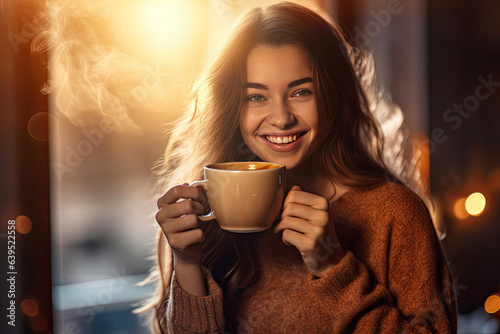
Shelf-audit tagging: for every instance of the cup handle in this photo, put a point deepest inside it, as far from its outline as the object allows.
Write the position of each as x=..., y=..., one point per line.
x=211, y=214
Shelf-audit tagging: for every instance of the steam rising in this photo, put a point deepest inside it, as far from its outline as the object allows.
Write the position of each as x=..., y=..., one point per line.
x=96, y=68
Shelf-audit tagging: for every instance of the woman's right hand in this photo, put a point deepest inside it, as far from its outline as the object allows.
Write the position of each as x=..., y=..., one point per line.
x=177, y=215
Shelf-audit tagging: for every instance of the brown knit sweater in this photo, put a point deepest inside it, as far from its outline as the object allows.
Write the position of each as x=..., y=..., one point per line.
x=394, y=278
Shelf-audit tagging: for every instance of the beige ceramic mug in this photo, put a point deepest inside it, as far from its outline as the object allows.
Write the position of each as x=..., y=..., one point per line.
x=244, y=196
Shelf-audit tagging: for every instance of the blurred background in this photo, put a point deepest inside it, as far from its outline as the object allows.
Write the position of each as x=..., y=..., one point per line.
x=87, y=89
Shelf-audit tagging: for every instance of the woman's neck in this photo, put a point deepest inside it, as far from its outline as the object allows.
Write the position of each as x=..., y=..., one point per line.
x=311, y=179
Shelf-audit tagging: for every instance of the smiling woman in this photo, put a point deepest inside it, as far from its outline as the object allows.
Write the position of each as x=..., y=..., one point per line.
x=279, y=121
x=288, y=88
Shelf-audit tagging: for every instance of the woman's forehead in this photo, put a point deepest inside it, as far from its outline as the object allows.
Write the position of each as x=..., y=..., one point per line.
x=277, y=63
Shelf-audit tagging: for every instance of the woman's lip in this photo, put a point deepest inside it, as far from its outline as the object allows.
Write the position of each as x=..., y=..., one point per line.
x=284, y=134
x=283, y=138
x=283, y=147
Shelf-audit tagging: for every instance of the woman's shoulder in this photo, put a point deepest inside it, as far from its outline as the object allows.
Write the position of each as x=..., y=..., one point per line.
x=397, y=195
x=389, y=211
x=385, y=195
x=388, y=202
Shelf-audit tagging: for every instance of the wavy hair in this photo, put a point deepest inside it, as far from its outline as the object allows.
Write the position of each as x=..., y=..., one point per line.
x=361, y=139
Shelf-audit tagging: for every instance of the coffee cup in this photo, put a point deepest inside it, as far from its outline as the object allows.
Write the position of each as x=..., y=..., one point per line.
x=244, y=197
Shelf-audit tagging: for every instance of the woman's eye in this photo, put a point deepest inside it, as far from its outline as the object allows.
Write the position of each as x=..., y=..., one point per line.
x=302, y=92
x=256, y=98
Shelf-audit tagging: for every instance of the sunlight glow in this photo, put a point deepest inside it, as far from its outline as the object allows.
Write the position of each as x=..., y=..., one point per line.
x=475, y=204
x=166, y=26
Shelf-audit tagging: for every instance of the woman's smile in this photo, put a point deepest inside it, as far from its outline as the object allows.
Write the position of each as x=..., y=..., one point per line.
x=279, y=122
x=283, y=143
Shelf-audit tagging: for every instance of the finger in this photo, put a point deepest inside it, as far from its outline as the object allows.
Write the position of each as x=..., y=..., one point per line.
x=181, y=191
x=178, y=209
x=180, y=224
x=299, y=240
x=299, y=225
x=315, y=216
x=305, y=198
x=183, y=240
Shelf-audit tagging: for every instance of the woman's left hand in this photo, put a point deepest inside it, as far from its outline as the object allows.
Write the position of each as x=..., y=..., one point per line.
x=305, y=223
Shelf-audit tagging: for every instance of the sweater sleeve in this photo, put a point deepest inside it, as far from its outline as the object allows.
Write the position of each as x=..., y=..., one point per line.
x=418, y=295
x=186, y=313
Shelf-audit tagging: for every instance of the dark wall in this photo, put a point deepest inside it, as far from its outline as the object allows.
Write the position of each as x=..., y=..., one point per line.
x=24, y=188
x=464, y=55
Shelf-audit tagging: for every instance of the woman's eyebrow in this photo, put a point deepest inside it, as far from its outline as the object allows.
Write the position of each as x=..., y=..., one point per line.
x=290, y=85
x=299, y=82
x=256, y=85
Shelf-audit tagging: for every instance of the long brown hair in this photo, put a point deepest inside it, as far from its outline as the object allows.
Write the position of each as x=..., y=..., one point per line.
x=352, y=144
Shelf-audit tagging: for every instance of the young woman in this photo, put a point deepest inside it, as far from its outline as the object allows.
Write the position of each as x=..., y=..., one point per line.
x=354, y=250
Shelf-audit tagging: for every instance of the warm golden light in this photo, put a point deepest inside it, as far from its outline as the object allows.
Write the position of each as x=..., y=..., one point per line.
x=23, y=224
x=459, y=209
x=492, y=304
x=251, y=166
x=29, y=307
x=475, y=204
x=166, y=26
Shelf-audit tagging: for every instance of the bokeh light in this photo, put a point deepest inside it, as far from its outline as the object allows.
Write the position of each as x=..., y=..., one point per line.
x=29, y=307
x=38, y=322
x=492, y=304
x=475, y=204
x=23, y=224
x=38, y=126
x=459, y=209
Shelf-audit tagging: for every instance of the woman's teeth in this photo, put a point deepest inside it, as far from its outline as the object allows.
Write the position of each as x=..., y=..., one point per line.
x=281, y=140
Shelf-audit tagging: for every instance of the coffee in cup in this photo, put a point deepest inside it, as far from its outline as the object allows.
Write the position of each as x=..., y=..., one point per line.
x=244, y=197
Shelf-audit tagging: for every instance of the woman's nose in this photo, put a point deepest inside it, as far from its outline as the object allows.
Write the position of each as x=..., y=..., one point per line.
x=280, y=115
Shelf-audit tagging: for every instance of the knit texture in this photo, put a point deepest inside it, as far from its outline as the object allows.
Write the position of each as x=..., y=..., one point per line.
x=394, y=278
x=192, y=314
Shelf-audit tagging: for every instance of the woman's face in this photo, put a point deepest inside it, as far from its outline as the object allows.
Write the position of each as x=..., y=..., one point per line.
x=279, y=121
